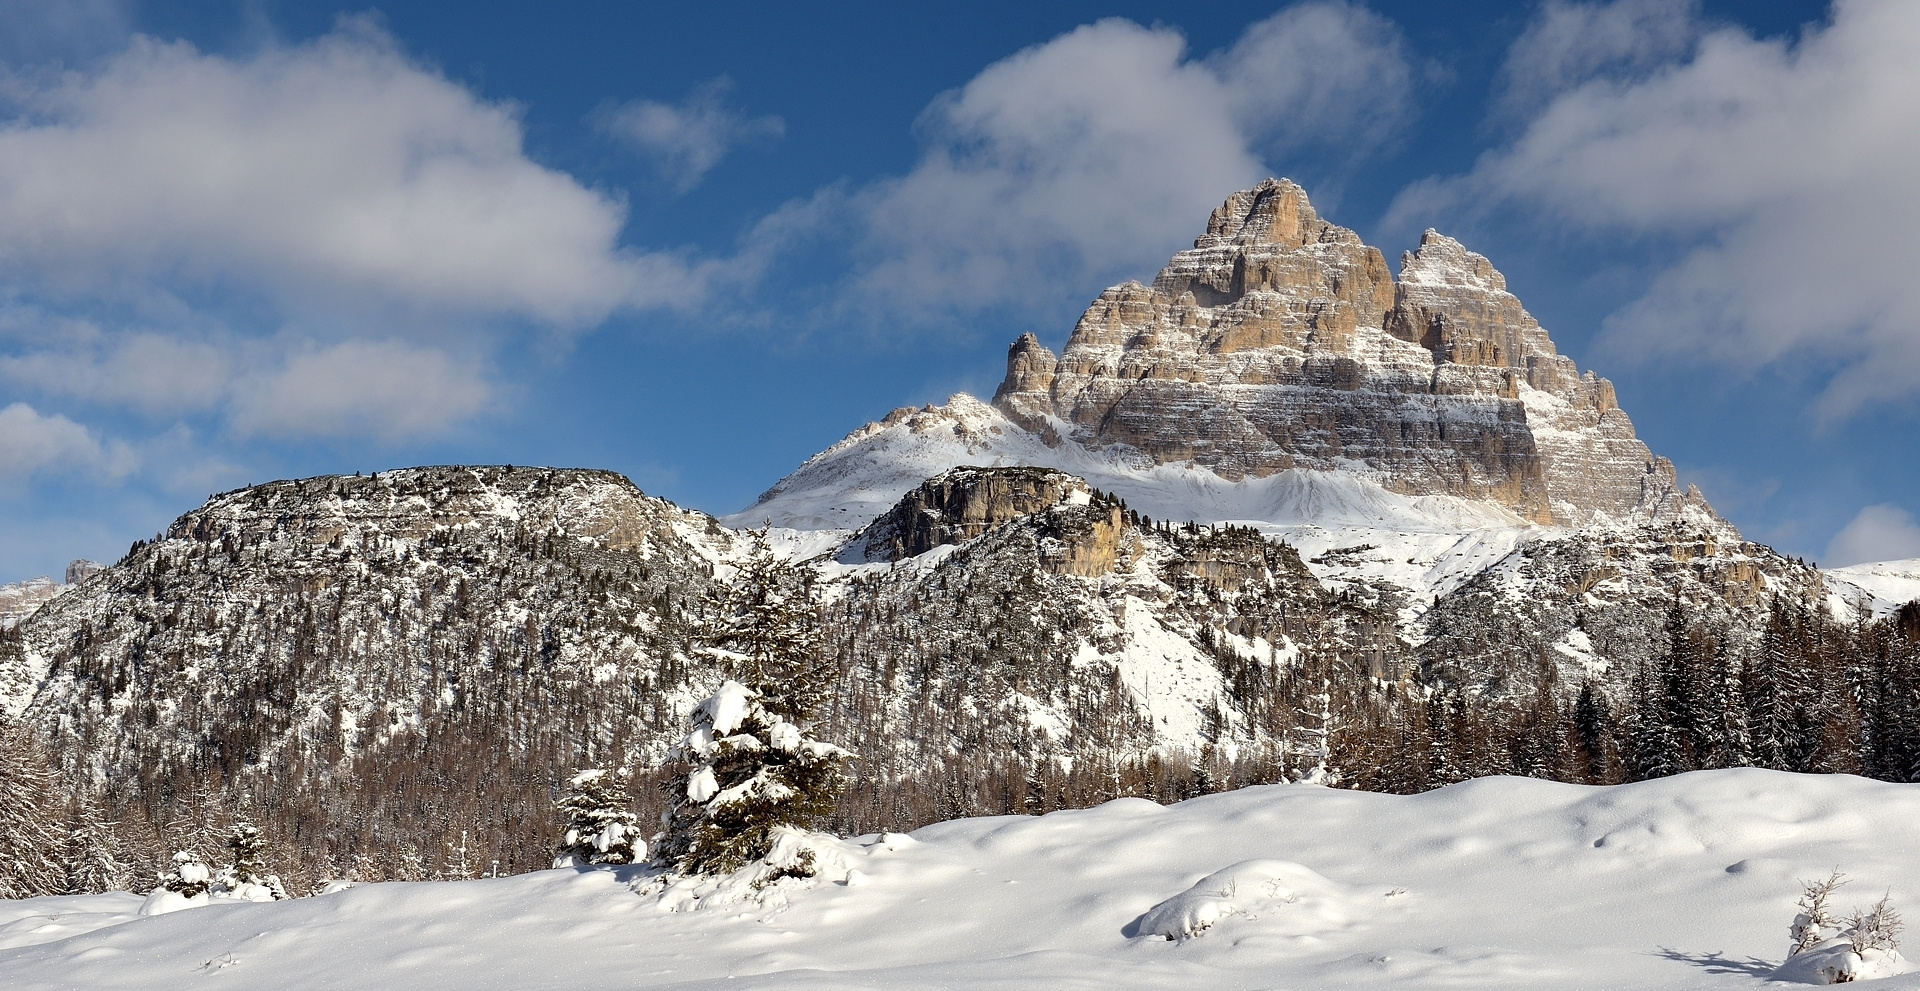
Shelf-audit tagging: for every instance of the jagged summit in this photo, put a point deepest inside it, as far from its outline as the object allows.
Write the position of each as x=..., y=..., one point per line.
x=1281, y=344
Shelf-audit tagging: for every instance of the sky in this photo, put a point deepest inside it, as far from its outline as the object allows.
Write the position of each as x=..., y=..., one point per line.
x=697, y=243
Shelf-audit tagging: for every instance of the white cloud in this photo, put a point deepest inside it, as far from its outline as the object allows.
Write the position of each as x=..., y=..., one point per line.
x=688, y=140
x=385, y=389
x=1787, y=165
x=1877, y=533
x=1095, y=154
x=32, y=443
x=329, y=171
x=1568, y=44
x=153, y=373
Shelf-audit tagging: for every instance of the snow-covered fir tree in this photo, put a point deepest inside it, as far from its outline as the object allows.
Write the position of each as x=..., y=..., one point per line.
x=248, y=877
x=598, y=825
x=32, y=842
x=751, y=775
x=762, y=628
x=93, y=856
x=188, y=876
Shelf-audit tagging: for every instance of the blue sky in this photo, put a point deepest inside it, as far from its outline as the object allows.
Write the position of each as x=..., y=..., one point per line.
x=698, y=243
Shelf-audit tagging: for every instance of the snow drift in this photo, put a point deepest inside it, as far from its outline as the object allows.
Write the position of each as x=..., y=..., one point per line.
x=1683, y=882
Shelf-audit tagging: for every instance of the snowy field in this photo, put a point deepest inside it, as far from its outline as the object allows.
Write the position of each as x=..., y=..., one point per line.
x=1686, y=882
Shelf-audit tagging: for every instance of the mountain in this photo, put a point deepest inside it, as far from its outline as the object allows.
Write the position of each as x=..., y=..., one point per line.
x=381, y=663
x=1418, y=438
x=1278, y=515
x=1279, y=343
x=18, y=600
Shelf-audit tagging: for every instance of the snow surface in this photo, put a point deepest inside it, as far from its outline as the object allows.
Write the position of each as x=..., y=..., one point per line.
x=1684, y=882
x=1881, y=587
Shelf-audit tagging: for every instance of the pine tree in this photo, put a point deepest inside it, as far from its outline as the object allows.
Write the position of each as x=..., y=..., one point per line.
x=248, y=875
x=32, y=843
x=761, y=628
x=1598, y=763
x=93, y=863
x=751, y=774
x=597, y=821
x=189, y=875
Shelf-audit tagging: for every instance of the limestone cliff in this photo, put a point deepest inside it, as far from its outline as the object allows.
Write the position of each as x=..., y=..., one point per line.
x=1282, y=341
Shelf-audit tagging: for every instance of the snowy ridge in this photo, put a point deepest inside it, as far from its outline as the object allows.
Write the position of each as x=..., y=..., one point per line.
x=1426, y=545
x=1876, y=589
x=1498, y=883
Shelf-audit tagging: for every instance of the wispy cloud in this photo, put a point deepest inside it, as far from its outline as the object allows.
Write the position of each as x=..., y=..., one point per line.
x=686, y=140
x=33, y=443
x=1884, y=532
x=1093, y=155
x=1783, y=166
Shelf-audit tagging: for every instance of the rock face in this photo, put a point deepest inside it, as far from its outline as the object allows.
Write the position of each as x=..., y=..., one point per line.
x=1281, y=341
x=962, y=503
x=18, y=600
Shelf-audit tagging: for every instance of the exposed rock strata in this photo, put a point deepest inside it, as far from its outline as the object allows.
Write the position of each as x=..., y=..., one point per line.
x=1282, y=341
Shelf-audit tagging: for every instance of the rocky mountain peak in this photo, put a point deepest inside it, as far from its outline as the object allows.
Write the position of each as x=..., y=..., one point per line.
x=1274, y=212
x=1282, y=341
x=1443, y=261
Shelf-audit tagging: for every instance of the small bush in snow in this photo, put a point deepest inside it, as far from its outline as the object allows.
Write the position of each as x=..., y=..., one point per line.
x=1828, y=950
x=1878, y=928
x=189, y=876
x=597, y=824
x=752, y=774
x=1816, y=918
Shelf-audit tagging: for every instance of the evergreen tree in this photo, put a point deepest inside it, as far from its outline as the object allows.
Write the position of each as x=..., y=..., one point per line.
x=761, y=628
x=248, y=875
x=1683, y=703
x=1730, y=742
x=750, y=774
x=32, y=842
x=93, y=863
x=1597, y=759
x=597, y=821
x=188, y=875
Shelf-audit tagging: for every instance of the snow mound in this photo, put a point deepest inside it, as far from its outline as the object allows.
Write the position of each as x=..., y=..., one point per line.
x=1247, y=888
x=1835, y=962
x=798, y=861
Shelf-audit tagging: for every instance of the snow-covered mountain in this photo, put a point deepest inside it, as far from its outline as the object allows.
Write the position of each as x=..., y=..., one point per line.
x=18, y=600
x=1280, y=348
x=1408, y=436
x=1276, y=504
x=1875, y=589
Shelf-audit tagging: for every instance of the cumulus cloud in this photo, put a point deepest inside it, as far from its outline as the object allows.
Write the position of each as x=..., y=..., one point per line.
x=1096, y=153
x=286, y=242
x=686, y=141
x=1568, y=44
x=1785, y=166
x=32, y=443
x=338, y=169
x=386, y=389
x=1877, y=533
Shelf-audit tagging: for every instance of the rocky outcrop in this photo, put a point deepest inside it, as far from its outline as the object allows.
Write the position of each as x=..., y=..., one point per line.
x=1282, y=341
x=18, y=600
x=963, y=503
x=1075, y=534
